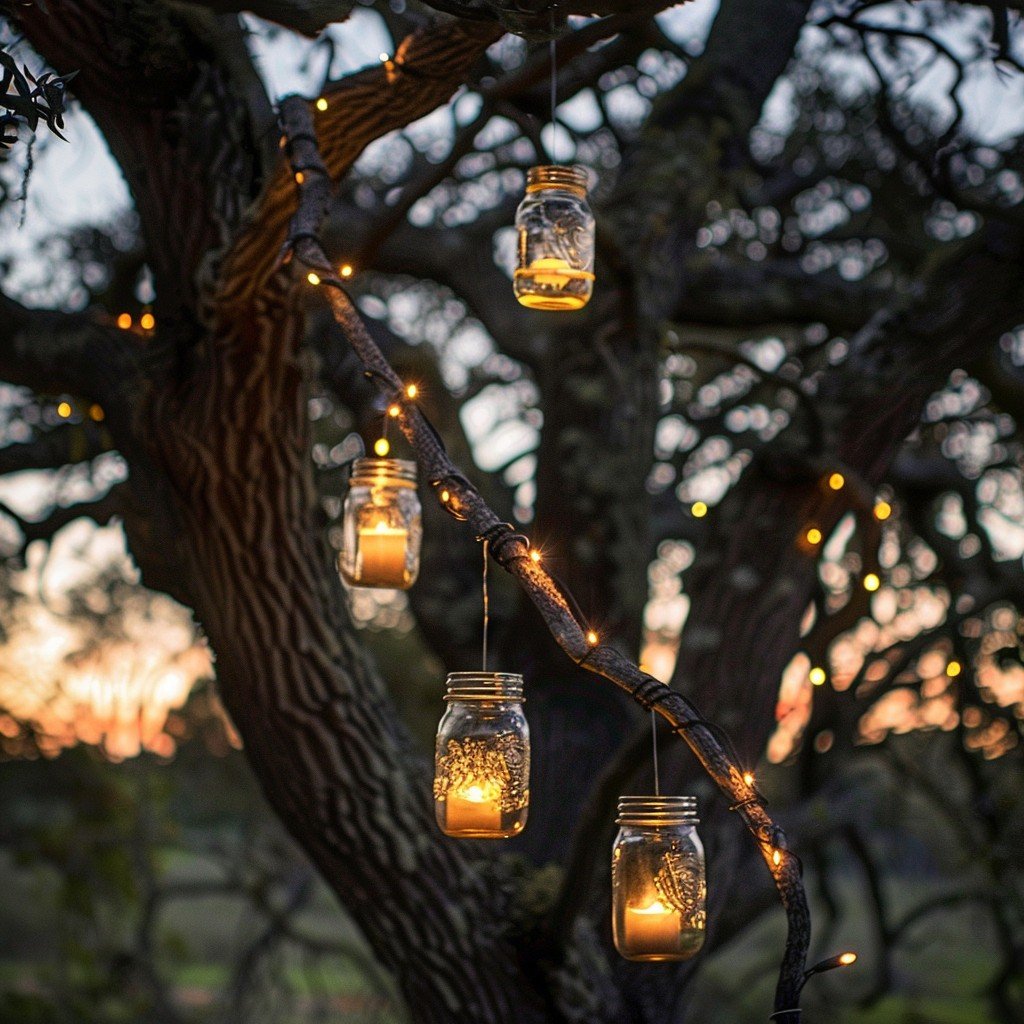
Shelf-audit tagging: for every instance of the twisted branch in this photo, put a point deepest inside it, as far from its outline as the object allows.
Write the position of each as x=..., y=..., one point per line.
x=512, y=551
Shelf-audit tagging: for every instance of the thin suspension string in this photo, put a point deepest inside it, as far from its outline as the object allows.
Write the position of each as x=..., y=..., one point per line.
x=554, y=87
x=654, y=747
x=487, y=606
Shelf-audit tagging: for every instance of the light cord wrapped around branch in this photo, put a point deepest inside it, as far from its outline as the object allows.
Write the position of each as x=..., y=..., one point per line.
x=512, y=551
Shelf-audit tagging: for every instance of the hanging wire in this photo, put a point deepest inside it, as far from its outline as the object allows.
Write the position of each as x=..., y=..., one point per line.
x=554, y=86
x=654, y=748
x=487, y=605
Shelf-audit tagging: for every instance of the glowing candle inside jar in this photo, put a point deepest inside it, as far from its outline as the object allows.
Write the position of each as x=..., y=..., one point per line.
x=551, y=271
x=382, y=556
x=474, y=809
x=653, y=929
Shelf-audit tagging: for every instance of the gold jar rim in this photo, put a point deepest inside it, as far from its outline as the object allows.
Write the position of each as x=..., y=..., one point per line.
x=571, y=178
x=657, y=810
x=376, y=472
x=484, y=686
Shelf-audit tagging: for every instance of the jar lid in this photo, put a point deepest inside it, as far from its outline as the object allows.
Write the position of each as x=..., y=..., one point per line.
x=484, y=686
x=382, y=472
x=557, y=176
x=657, y=810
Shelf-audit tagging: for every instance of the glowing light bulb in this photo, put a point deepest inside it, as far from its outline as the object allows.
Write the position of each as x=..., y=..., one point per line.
x=445, y=497
x=321, y=104
x=64, y=410
x=383, y=57
x=381, y=447
x=777, y=857
x=591, y=638
x=147, y=321
x=848, y=958
x=882, y=510
x=346, y=270
x=817, y=675
x=748, y=778
x=953, y=669
x=299, y=177
x=872, y=582
x=313, y=278
x=394, y=411
x=837, y=481
x=412, y=390
x=698, y=510
x=96, y=413
x=124, y=321
x=813, y=535
x=534, y=555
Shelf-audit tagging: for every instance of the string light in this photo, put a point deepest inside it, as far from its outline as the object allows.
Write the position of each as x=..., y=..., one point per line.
x=124, y=321
x=837, y=481
x=96, y=413
x=313, y=278
x=147, y=321
x=882, y=510
x=299, y=177
x=748, y=778
x=381, y=447
x=412, y=391
x=445, y=497
x=394, y=411
x=698, y=510
x=813, y=536
x=64, y=410
x=591, y=638
x=953, y=669
x=346, y=270
x=817, y=675
x=776, y=857
x=384, y=58
x=872, y=582
x=848, y=958
x=321, y=104
x=534, y=555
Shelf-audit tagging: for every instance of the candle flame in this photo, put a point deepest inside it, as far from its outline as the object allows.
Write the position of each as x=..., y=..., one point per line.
x=657, y=907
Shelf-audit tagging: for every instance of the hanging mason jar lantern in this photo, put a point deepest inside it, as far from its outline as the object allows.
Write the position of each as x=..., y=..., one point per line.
x=382, y=527
x=482, y=761
x=556, y=240
x=658, y=885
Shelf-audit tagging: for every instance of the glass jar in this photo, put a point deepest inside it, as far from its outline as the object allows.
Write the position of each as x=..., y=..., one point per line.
x=382, y=526
x=482, y=757
x=556, y=240
x=658, y=885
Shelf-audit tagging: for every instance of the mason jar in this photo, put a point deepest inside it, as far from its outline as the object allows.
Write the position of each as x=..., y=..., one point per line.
x=482, y=757
x=555, y=268
x=382, y=526
x=658, y=884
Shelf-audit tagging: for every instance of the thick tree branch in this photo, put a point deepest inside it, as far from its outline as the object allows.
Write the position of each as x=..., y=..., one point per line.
x=512, y=551
x=62, y=446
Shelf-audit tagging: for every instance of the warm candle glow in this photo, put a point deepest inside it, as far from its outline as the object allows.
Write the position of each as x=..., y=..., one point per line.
x=653, y=929
x=382, y=556
x=476, y=808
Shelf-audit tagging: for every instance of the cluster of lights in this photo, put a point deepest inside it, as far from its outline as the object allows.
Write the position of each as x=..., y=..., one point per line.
x=147, y=321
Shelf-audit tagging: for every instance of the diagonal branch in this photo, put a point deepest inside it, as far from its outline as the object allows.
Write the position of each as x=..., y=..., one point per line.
x=513, y=552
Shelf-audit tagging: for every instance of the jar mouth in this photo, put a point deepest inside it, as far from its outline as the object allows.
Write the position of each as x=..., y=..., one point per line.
x=657, y=810
x=383, y=472
x=484, y=686
x=573, y=178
